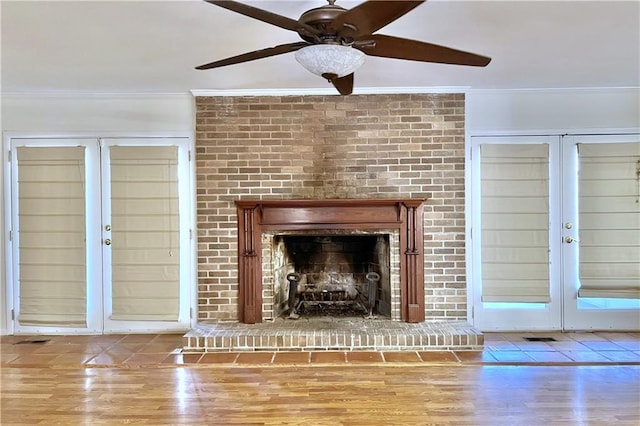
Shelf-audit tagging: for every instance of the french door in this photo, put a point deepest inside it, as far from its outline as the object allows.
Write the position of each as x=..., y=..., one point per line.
x=555, y=240
x=100, y=238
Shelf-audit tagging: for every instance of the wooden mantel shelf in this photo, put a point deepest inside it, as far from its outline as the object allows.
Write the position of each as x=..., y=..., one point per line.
x=335, y=213
x=256, y=216
x=334, y=202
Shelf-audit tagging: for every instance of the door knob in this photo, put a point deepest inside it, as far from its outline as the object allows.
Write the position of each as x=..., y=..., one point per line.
x=570, y=240
x=107, y=242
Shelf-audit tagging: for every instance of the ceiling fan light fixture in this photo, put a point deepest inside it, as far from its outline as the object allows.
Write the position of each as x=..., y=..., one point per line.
x=330, y=59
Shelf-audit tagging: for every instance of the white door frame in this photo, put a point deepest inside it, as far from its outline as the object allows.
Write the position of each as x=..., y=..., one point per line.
x=183, y=322
x=566, y=315
x=96, y=314
x=92, y=218
x=507, y=316
x=577, y=316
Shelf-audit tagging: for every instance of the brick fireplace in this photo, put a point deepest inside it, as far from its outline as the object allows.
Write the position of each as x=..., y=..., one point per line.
x=261, y=152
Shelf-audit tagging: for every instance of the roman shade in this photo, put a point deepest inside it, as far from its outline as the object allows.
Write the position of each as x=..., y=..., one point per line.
x=515, y=222
x=145, y=265
x=609, y=214
x=51, y=233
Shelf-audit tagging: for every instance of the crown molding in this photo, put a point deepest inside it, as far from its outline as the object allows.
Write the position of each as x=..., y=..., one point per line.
x=554, y=90
x=92, y=95
x=329, y=91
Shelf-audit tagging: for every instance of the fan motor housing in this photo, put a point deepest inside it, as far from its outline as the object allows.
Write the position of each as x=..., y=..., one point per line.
x=322, y=18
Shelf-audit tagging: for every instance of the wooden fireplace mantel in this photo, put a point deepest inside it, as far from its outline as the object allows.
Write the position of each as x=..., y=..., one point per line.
x=256, y=216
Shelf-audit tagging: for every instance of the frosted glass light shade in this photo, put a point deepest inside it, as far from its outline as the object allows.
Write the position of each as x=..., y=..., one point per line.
x=330, y=58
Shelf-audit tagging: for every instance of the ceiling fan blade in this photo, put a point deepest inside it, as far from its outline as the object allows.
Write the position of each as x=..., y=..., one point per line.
x=370, y=16
x=256, y=54
x=414, y=50
x=343, y=84
x=265, y=16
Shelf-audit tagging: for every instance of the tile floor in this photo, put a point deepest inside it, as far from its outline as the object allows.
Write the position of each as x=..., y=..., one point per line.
x=164, y=350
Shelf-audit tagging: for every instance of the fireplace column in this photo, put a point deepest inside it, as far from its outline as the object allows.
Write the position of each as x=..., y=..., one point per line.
x=250, y=264
x=412, y=264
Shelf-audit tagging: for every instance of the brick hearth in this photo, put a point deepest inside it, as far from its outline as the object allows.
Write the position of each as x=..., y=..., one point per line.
x=317, y=334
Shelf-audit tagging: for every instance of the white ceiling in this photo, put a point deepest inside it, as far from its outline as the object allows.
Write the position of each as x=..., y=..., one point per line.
x=152, y=46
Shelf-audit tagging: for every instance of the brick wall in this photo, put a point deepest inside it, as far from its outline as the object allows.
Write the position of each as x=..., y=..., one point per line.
x=319, y=147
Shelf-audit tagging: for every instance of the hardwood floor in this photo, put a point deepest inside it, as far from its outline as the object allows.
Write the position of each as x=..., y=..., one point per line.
x=577, y=379
x=323, y=395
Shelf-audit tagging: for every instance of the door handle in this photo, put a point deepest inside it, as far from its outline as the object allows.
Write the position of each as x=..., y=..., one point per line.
x=107, y=242
x=570, y=240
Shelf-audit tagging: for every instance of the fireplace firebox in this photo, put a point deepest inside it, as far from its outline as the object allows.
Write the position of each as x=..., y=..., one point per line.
x=328, y=273
x=307, y=230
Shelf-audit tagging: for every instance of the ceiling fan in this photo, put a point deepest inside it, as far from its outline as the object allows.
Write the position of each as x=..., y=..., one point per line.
x=345, y=36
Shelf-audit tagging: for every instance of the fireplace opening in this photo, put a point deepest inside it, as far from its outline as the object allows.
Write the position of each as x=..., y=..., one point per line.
x=320, y=274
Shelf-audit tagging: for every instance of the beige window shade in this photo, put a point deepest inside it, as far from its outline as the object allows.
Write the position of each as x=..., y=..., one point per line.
x=51, y=235
x=145, y=233
x=515, y=223
x=609, y=209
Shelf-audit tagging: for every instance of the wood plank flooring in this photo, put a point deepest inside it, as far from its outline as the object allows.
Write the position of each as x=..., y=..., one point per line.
x=317, y=395
x=578, y=379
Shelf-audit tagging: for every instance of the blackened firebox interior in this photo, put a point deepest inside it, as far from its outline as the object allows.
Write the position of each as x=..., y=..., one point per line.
x=332, y=275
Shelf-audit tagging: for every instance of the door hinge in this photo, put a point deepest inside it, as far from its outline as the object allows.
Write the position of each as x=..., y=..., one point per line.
x=9, y=156
x=190, y=313
x=191, y=234
x=10, y=235
x=189, y=155
x=13, y=315
x=473, y=312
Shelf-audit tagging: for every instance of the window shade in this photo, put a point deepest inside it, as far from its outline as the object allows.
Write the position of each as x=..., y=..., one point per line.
x=515, y=223
x=145, y=233
x=51, y=235
x=609, y=214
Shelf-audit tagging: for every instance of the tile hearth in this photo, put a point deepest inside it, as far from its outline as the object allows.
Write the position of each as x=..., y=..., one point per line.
x=329, y=334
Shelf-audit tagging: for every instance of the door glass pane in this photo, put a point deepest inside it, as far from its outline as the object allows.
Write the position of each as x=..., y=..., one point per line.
x=145, y=233
x=609, y=215
x=51, y=236
x=515, y=223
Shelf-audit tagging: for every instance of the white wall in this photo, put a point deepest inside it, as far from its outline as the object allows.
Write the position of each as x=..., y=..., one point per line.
x=98, y=113
x=553, y=110
x=88, y=115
